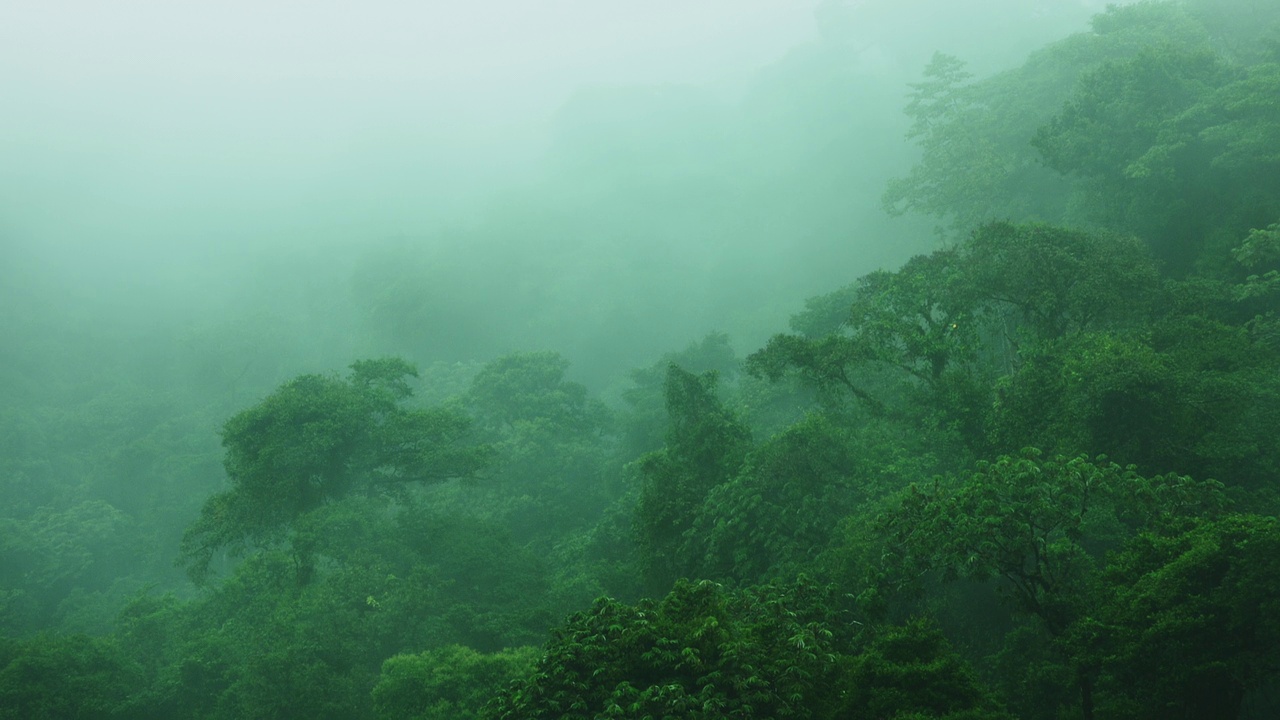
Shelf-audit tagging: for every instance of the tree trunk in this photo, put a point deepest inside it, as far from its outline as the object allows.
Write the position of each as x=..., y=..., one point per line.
x=1085, y=679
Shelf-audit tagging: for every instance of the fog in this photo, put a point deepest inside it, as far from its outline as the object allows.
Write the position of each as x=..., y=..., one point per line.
x=164, y=127
x=507, y=359
x=608, y=180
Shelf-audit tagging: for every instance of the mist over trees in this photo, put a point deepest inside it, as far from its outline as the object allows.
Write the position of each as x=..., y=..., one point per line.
x=853, y=360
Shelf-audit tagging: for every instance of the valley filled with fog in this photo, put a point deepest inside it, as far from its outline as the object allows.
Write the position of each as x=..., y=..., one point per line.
x=770, y=358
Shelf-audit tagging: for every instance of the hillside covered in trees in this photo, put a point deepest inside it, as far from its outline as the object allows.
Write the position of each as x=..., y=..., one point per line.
x=1022, y=463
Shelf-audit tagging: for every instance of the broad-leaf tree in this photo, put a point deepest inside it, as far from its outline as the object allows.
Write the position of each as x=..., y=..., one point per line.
x=777, y=651
x=705, y=447
x=1193, y=619
x=1037, y=526
x=320, y=438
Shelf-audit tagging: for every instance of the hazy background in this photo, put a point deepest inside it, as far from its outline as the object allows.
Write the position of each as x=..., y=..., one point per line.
x=194, y=129
x=320, y=180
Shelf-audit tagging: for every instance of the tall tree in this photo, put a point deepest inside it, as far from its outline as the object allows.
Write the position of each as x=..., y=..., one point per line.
x=320, y=438
x=1194, y=619
x=703, y=652
x=705, y=447
x=1038, y=526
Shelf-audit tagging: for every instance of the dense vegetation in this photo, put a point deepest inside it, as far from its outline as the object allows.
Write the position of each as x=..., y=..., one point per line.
x=1032, y=473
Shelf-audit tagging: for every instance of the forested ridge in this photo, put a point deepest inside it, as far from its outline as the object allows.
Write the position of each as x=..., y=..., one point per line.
x=1032, y=472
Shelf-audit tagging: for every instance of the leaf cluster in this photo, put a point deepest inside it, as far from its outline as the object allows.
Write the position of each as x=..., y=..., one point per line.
x=317, y=439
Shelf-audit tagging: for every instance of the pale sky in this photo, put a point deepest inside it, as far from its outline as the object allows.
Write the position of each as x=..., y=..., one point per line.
x=174, y=129
x=126, y=118
x=467, y=40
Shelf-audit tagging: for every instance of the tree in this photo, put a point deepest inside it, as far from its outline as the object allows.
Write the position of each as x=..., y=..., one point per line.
x=1038, y=526
x=1058, y=281
x=1137, y=173
x=704, y=652
x=449, y=683
x=531, y=387
x=924, y=342
x=776, y=515
x=1175, y=144
x=965, y=163
x=74, y=677
x=383, y=579
x=52, y=557
x=915, y=323
x=705, y=447
x=1192, y=618
x=977, y=163
x=1185, y=393
x=551, y=444
x=317, y=439
x=910, y=671
x=645, y=423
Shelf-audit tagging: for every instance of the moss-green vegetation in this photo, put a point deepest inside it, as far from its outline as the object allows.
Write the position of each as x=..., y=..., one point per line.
x=1031, y=473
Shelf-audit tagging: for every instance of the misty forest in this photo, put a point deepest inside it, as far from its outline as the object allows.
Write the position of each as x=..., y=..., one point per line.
x=705, y=359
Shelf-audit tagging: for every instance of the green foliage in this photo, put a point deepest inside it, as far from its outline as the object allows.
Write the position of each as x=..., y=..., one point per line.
x=1103, y=393
x=911, y=672
x=1260, y=249
x=75, y=677
x=916, y=323
x=1239, y=126
x=551, y=441
x=449, y=683
x=1141, y=173
x=700, y=652
x=1259, y=293
x=317, y=439
x=1192, y=618
x=528, y=387
x=922, y=344
x=349, y=564
x=384, y=376
x=279, y=648
x=977, y=164
x=778, y=513
x=1037, y=524
x=1127, y=102
x=1059, y=281
x=1190, y=394
x=1039, y=527
x=47, y=556
x=1142, y=126
x=646, y=419
x=471, y=577
x=771, y=652
x=916, y=319
x=939, y=104
x=297, y=449
x=382, y=580
x=1175, y=143
x=934, y=101
x=705, y=446
x=1242, y=29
